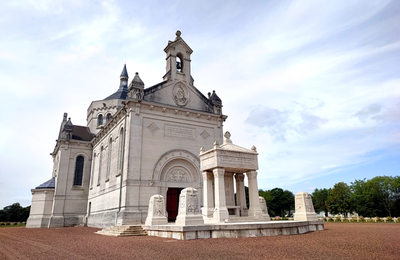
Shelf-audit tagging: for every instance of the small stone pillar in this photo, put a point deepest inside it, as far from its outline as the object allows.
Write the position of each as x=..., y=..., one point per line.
x=156, y=212
x=255, y=210
x=189, y=208
x=208, y=198
x=264, y=209
x=304, y=208
x=241, y=195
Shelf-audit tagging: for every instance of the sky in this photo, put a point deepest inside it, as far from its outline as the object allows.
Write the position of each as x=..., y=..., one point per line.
x=313, y=84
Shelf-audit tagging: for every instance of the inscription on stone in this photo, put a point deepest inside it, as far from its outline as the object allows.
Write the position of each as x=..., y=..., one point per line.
x=179, y=131
x=237, y=160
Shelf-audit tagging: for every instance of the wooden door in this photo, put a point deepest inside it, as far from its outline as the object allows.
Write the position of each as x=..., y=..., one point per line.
x=173, y=203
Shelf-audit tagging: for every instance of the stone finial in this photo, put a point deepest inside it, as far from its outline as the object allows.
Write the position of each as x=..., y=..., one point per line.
x=254, y=149
x=202, y=149
x=227, y=139
x=178, y=34
x=227, y=135
x=215, y=144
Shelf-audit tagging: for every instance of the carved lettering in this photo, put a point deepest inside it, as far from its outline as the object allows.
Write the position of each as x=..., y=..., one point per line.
x=179, y=131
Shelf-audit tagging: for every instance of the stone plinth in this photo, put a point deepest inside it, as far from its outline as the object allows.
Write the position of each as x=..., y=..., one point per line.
x=264, y=209
x=189, y=208
x=156, y=212
x=304, y=208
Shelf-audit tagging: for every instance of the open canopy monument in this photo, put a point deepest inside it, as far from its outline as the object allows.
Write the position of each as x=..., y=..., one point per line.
x=141, y=145
x=222, y=166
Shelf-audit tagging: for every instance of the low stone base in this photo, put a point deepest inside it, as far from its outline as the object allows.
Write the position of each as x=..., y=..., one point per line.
x=234, y=230
x=39, y=221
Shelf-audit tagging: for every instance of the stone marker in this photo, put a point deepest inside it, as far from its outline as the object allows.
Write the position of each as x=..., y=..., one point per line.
x=304, y=208
x=156, y=212
x=189, y=208
x=264, y=209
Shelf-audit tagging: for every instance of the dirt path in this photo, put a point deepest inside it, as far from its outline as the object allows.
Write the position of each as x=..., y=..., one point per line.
x=338, y=241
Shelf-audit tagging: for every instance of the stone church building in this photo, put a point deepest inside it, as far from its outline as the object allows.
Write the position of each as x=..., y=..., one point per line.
x=138, y=142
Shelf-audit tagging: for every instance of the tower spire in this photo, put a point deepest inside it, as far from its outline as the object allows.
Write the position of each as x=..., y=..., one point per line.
x=124, y=78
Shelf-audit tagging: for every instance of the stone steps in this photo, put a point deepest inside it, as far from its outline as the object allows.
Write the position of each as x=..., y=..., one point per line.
x=123, y=231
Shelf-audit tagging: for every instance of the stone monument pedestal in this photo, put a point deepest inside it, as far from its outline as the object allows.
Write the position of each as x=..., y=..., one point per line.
x=304, y=208
x=156, y=212
x=189, y=213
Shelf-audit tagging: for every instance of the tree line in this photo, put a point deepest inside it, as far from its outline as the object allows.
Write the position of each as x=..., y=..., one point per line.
x=14, y=213
x=377, y=197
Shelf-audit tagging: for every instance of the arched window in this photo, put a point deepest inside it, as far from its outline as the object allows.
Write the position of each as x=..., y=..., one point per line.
x=120, y=151
x=79, y=170
x=100, y=120
x=179, y=63
x=93, y=167
x=100, y=165
x=108, y=118
x=109, y=151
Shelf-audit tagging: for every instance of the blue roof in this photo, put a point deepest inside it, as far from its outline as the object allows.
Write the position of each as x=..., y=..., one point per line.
x=50, y=184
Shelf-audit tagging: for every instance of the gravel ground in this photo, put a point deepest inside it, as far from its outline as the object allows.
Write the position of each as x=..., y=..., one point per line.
x=337, y=241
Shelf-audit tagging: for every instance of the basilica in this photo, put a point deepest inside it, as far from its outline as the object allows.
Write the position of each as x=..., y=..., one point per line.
x=139, y=141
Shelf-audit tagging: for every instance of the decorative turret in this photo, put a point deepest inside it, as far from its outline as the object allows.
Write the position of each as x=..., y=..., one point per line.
x=124, y=77
x=216, y=101
x=136, y=88
x=67, y=130
x=123, y=86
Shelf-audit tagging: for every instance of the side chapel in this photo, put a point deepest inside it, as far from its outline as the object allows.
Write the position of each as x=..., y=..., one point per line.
x=138, y=142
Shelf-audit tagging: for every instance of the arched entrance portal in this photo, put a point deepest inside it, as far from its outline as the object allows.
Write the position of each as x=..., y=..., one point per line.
x=173, y=203
x=176, y=170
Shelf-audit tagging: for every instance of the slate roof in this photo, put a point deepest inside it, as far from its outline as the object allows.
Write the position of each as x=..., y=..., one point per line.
x=124, y=72
x=120, y=94
x=50, y=184
x=82, y=133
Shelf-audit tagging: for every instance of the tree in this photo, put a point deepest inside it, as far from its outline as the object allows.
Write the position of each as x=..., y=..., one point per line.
x=15, y=213
x=339, y=200
x=379, y=196
x=319, y=198
x=278, y=201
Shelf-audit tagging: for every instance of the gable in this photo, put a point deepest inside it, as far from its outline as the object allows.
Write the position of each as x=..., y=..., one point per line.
x=178, y=94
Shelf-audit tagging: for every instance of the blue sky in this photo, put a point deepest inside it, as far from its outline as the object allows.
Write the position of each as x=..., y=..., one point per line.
x=314, y=85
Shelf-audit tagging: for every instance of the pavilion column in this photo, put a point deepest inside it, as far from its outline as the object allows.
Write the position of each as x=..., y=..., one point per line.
x=221, y=212
x=255, y=209
x=208, y=197
x=241, y=194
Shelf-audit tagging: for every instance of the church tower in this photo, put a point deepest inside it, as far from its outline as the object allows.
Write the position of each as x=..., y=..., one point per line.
x=178, y=60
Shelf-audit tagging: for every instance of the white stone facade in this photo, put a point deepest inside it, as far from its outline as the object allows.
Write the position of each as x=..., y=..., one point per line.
x=138, y=142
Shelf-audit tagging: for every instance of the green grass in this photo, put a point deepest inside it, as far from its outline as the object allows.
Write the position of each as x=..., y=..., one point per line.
x=3, y=225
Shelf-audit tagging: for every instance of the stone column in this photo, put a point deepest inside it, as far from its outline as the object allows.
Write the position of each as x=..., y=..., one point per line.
x=208, y=196
x=221, y=212
x=241, y=194
x=255, y=210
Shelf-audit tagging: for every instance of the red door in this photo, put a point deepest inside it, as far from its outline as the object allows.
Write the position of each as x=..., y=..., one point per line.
x=173, y=203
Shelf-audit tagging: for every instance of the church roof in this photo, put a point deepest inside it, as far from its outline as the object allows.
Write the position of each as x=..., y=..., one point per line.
x=82, y=133
x=120, y=94
x=50, y=184
x=124, y=72
x=122, y=91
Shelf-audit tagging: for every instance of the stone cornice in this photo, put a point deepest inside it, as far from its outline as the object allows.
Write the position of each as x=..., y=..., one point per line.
x=69, y=142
